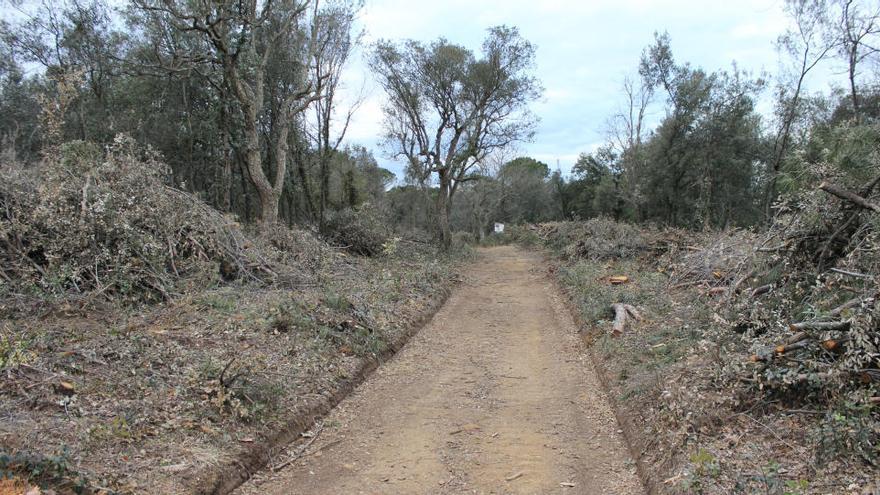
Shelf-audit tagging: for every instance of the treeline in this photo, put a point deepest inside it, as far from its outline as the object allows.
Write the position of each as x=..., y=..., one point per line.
x=240, y=98
x=713, y=160
x=243, y=101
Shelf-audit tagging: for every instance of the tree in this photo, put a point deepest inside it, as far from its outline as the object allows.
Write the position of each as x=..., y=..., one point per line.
x=856, y=28
x=19, y=108
x=626, y=132
x=335, y=35
x=266, y=52
x=525, y=191
x=806, y=43
x=590, y=171
x=447, y=109
x=699, y=165
x=74, y=41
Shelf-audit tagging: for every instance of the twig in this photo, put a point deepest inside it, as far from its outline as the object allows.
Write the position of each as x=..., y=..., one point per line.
x=302, y=450
x=849, y=273
x=793, y=448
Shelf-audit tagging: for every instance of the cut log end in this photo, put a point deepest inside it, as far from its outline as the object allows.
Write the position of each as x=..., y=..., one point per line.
x=622, y=313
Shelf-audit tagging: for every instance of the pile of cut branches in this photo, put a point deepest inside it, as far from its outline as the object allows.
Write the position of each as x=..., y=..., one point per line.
x=712, y=261
x=597, y=238
x=804, y=301
x=359, y=231
x=108, y=223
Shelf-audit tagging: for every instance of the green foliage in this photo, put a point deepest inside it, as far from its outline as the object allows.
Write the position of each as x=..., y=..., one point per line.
x=526, y=165
x=704, y=466
x=699, y=168
x=335, y=300
x=14, y=350
x=849, y=429
x=115, y=430
x=54, y=469
x=218, y=301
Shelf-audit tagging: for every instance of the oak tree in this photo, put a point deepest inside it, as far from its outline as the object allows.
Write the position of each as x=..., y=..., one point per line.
x=448, y=108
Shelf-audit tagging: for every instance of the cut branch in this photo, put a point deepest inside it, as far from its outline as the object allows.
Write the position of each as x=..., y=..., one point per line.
x=849, y=304
x=849, y=196
x=821, y=325
x=622, y=313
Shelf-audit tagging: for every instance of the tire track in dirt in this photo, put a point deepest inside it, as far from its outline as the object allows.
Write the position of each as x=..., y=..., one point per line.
x=493, y=396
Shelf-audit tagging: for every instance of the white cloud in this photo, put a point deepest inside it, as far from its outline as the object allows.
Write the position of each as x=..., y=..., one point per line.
x=583, y=50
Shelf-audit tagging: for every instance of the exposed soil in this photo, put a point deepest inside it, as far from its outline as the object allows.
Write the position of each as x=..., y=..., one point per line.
x=495, y=395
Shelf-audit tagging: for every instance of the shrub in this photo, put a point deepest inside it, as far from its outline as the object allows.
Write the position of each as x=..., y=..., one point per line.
x=360, y=231
x=463, y=238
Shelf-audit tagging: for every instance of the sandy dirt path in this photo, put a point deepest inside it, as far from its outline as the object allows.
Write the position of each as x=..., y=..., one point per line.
x=493, y=396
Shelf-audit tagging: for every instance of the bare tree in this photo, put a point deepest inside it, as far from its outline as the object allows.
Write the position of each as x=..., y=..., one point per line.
x=626, y=127
x=807, y=45
x=447, y=110
x=625, y=130
x=336, y=45
x=856, y=29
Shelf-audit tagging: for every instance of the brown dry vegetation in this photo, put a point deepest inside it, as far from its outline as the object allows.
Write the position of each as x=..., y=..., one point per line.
x=147, y=343
x=706, y=415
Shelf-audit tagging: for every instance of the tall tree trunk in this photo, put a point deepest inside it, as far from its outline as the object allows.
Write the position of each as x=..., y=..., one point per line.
x=309, y=200
x=243, y=175
x=254, y=162
x=226, y=142
x=324, y=171
x=443, y=211
x=853, y=60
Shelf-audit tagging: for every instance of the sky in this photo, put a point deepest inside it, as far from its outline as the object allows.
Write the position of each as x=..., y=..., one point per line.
x=584, y=50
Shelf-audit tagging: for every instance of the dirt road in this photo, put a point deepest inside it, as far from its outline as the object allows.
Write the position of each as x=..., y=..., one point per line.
x=493, y=396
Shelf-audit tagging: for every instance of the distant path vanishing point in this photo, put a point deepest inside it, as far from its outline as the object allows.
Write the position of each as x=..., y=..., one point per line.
x=493, y=396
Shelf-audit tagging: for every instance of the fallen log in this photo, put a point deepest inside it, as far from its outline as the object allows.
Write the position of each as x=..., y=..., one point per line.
x=849, y=196
x=820, y=325
x=622, y=312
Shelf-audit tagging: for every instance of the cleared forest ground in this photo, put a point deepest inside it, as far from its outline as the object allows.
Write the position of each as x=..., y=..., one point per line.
x=189, y=395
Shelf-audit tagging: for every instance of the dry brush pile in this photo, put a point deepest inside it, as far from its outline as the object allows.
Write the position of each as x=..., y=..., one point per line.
x=804, y=300
x=96, y=223
x=595, y=239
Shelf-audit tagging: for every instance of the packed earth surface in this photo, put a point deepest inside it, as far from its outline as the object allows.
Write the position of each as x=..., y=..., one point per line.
x=495, y=395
